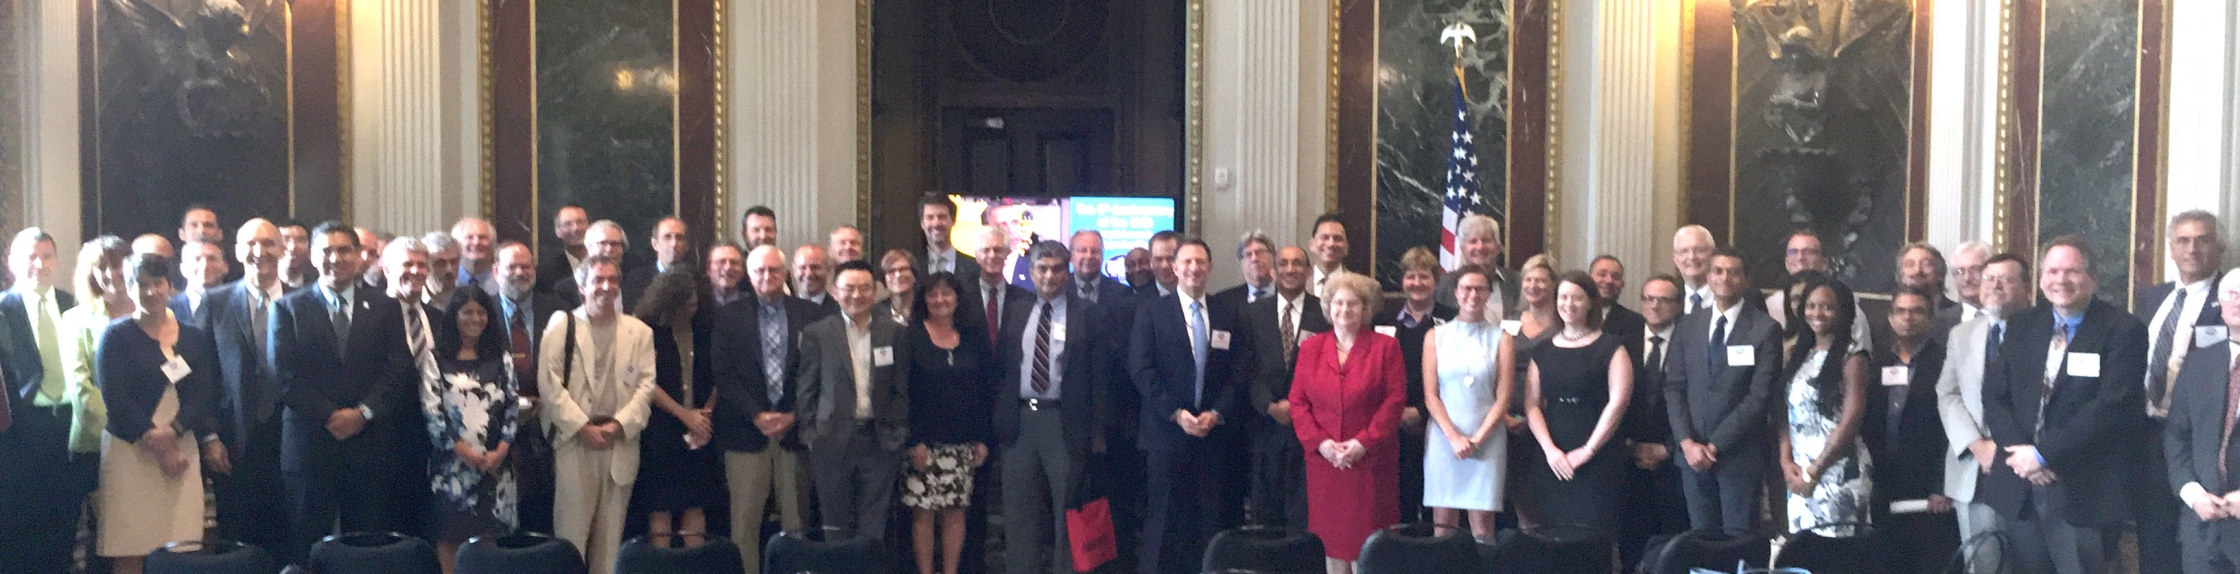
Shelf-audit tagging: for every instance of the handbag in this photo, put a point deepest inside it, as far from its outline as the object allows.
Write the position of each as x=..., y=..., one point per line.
x=1089, y=526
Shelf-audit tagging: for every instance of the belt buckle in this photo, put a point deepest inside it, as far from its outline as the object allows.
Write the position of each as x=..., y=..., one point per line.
x=1034, y=404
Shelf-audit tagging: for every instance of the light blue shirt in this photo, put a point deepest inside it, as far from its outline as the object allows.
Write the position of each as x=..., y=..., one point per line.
x=1027, y=341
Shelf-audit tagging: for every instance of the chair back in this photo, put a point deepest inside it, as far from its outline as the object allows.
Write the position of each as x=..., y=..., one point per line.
x=209, y=557
x=1420, y=548
x=1264, y=549
x=1694, y=549
x=1555, y=548
x=1983, y=554
x=824, y=550
x=373, y=553
x=518, y=552
x=715, y=556
x=1856, y=554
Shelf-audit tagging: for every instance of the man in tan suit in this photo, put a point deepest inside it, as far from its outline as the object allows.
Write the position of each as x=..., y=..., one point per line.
x=596, y=378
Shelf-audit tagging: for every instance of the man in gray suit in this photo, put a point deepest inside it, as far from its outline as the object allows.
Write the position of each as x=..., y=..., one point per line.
x=853, y=385
x=1717, y=388
x=2004, y=290
x=1049, y=410
x=2197, y=441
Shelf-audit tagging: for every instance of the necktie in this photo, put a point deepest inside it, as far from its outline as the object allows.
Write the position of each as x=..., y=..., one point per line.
x=413, y=329
x=1089, y=292
x=1718, y=341
x=1656, y=353
x=338, y=313
x=1256, y=294
x=7, y=406
x=50, y=350
x=1290, y=334
x=1695, y=301
x=1041, y=379
x=773, y=357
x=1991, y=343
x=524, y=370
x=2158, y=372
x=1198, y=348
x=994, y=323
x=2231, y=403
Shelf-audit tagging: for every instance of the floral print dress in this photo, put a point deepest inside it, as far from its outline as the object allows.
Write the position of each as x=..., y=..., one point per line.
x=1839, y=505
x=472, y=401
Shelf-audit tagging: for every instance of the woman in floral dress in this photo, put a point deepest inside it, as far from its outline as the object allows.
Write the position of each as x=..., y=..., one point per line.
x=471, y=404
x=1824, y=462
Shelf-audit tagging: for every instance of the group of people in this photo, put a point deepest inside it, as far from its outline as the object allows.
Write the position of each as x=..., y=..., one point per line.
x=452, y=385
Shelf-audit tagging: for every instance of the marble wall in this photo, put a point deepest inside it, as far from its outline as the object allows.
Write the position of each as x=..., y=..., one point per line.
x=12, y=87
x=1415, y=105
x=2087, y=133
x=606, y=87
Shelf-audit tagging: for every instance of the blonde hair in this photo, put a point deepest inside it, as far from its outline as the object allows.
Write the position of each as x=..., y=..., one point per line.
x=1541, y=261
x=1419, y=258
x=1362, y=287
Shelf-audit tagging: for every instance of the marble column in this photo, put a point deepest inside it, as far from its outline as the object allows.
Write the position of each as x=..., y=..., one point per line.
x=51, y=177
x=1267, y=78
x=412, y=168
x=791, y=108
x=1610, y=201
x=12, y=81
x=1963, y=122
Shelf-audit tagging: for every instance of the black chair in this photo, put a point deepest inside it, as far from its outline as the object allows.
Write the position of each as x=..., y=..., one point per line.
x=824, y=550
x=1420, y=548
x=519, y=552
x=715, y=556
x=1264, y=549
x=1555, y=549
x=1988, y=556
x=373, y=553
x=1809, y=550
x=1706, y=549
x=209, y=557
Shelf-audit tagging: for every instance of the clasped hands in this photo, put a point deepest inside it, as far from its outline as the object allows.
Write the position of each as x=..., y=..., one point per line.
x=1700, y=456
x=1197, y=425
x=1565, y=464
x=162, y=442
x=601, y=436
x=2024, y=460
x=1342, y=454
x=2213, y=507
x=1463, y=446
x=774, y=424
x=479, y=459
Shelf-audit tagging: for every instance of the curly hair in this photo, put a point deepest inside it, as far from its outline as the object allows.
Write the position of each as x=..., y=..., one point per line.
x=1829, y=381
x=669, y=293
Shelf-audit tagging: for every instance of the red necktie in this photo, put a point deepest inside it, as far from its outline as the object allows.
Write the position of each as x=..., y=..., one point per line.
x=993, y=325
x=524, y=369
x=2231, y=402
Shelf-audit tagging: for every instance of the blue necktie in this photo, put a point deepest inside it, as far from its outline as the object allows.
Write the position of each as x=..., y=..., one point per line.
x=1991, y=343
x=773, y=355
x=1718, y=340
x=1198, y=347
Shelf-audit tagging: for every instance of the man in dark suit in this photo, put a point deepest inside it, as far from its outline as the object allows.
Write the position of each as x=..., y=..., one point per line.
x=989, y=297
x=754, y=424
x=522, y=314
x=568, y=226
x=1906, y=439
x=1653, y=503
x=1162, y=282
x=1123, y=466
x=2198, y=446
x=812, y=280
x=852, y=382
x=671, y=249
x=2173, y=312
x=337, y=351
x=1256, y=256
x=1717, y=386
x=1276, y=325
x=1049, y=410
x=44, y=486
x=2063, y=403
x=1190, y=360
x=244, y=464
x=936, y=216
x=204, y=266
x=404, y=266
x=1609, y=275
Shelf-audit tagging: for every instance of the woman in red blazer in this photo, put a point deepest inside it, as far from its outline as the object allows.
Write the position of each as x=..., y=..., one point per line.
x=1346, y=396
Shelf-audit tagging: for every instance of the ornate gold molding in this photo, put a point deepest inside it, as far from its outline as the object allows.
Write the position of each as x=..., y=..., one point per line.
x=1686, y=110
x=1194, y=89
x=1330, y=111
x=483, y=82
x=1552, y=220
x=722, y=82
x=2002, y=181
x=863, y=113
x=344, y=202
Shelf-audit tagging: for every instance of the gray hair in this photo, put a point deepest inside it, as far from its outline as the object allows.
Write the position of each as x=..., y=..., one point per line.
x=2230, y=284
x=584, y=270
x=993, y=234
x=610, y=224
x=1976, y=245
x=758, y=252
x=437, y=241
x=1479, y=225
x=1047, y=248
x=2206, y=219
x=1255, y=236
x=403, y=245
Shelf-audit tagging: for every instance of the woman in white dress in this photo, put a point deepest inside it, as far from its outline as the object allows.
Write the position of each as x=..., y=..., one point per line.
x=1824, y=461
x=157, y=379
x=1467, y=377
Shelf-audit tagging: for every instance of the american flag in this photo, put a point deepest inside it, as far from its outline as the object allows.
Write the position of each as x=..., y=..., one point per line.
x=1462, y=182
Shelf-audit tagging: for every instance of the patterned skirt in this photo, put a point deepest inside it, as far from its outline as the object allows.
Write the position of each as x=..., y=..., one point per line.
x=945, y=483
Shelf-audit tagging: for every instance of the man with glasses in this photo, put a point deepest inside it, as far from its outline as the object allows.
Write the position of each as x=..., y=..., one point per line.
x=1653, y=501
x=1970, y=348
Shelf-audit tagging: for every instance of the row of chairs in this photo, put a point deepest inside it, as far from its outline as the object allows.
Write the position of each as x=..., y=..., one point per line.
x=1435, y=549
x=827, y=550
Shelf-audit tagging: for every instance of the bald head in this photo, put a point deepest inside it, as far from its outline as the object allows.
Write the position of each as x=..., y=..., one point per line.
x=257, y=246
x=152, y=243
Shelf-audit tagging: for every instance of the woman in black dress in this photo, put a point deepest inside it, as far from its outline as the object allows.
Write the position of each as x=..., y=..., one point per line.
x=679, y=477
x=950, y=400
x=472, y=413
x=1577, y=391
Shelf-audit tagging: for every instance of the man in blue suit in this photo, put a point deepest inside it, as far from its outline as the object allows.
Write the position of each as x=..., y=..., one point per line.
x=1191, y=361
x=244, y=464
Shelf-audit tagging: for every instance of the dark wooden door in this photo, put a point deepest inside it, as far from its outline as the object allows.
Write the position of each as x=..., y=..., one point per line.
x=1015, y=152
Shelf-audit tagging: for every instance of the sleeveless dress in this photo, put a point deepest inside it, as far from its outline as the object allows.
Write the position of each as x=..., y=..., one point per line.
x=1846, y=489
x=1575, y=384
x=1466, y=385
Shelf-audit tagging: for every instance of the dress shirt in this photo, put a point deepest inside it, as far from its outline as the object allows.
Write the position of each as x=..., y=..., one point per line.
x=992, y=293
x=40, y=303
x=1191, y=321
x=1297, y=305
x=1408, y=318
x=771, y=313
x=1027, y=341
x=2181, y=339
x=859, y=356
x=194, y=298
x=2192, y=493
x=817, y=298
x=1702, y=294
x=1321, y=280
x=1731, y=314
x=340, y=299
x=944, y=259
x=1648, y=339
x=1253, y=294
x=1969, y=311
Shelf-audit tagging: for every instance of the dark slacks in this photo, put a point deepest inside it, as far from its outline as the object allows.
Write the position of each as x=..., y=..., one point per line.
x=42, y=490
x=855, y=483
x=409, y=495
x=1411, y=473
x=1185, y=487
x=349, y=486
x=1725, y=497
x=1279, y=487
x=253, y=501
x=2044, y=541
x=1652, y=505
x=2207, y=549
x=532, y=467
x=1037, y=481
x=2155, y=507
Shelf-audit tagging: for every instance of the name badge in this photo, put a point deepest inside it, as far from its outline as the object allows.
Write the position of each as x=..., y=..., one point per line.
x=1896, y=375
x=1742, y=356
x=176, y=368
x=2203, y=337
x=2084, y=365
x=1512, y=327
x=882, y=356
x=1220, y=340
x=1058, y=332
x=1388, y=330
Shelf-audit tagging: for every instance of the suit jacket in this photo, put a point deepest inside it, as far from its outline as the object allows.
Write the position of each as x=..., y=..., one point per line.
x=319, y=375
x=826, y=382
x=1910, y=464
x=248, y=389
x=1162, y=364
x=183, y=308
x=1237, y=297
x=1629, y=324
x=1082, y=389
x=19, y=354
x=1111, y=293
x=1272, y=369
x=2150, y=301
x=1715, y=403
x=2090, y=423
x=2191, y=440
x=1960, y=405
x=552, y=268
x=973, y=309
x=633, y=367
x=830, y=307
x=1646, y=419
x=743, y=387
x=129, y=367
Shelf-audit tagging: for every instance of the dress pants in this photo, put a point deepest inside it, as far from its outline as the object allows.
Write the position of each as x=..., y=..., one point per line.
x=588, y=504
x=2043, y=541
x=754, y=478
x=252, y=501
x=1037, y=475
x=1279, y=487
x=1411, y=474
x=2155, y=507
x=1185, y=489
x=42, y=490
x=532, y=467
x=1977, y=522
x=2208, y=548
x=347, y=489
x=1652, y=505
x=855, y=483
x=1725, y=498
